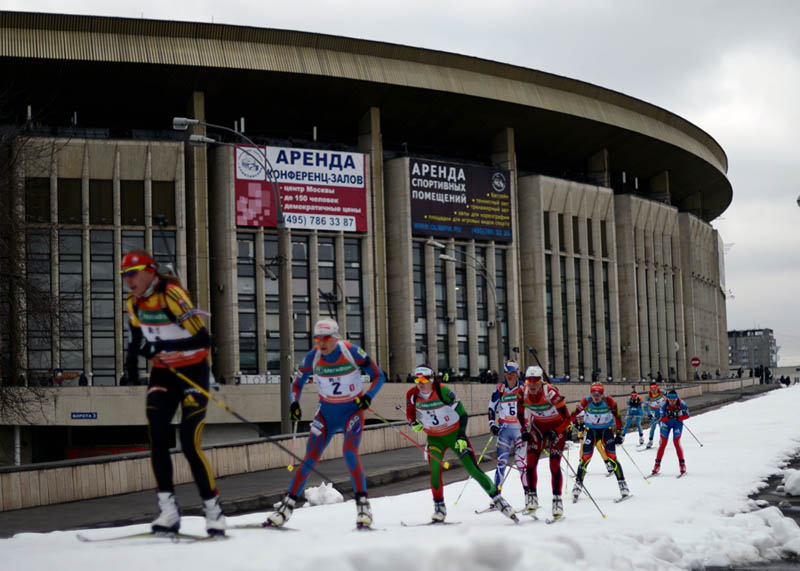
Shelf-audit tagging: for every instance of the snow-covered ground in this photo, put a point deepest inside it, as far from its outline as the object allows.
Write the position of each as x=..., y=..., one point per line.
x=704, y=518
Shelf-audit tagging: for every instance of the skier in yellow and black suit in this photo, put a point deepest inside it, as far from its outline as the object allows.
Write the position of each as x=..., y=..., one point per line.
x=166, y=328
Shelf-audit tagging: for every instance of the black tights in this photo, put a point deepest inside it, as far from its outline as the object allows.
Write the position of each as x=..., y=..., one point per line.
x=165, y=392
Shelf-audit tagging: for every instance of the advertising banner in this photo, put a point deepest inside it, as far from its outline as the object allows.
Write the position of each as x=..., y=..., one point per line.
x=319, y=189
x=460, y=201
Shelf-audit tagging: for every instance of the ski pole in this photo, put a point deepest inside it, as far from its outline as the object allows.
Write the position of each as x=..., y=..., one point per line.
x=583, y=487
x=479, y=463
x=693, y=436
x=290, y=467
x=444, y=464
x=235, y=414
x=634, y=463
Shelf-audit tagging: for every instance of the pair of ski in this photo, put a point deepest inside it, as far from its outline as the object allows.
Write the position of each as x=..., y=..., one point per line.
x=681, y=475
x=172, y=536
x=523, y=511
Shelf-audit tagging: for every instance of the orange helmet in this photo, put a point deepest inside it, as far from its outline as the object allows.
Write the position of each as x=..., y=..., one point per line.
x=137, y=260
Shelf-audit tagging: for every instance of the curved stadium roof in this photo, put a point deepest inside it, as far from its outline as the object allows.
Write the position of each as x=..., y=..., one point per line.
x=142, y=72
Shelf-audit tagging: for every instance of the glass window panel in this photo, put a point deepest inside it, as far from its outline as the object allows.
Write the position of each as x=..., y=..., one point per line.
x=101, y=200
x=132, y=202
x=37, y=200
x=69, y=201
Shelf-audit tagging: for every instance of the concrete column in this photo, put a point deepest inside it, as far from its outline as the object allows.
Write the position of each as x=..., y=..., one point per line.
x=652, y=306
x=658, y=251
x=504, y=156
x=196, y=202
x=628, y=287
x=180, y=215
x=452, y=318
x=687, y=275
x=641, y=296
x=659, y=188
x=431, y=254
x=555, y=296
x=597, y=165
x=55, y=285
x=399, y=268
x=531, y=255
x=116, y=209
x=669, y=301
x=261, y=303
x=224, y=254
x=572, y=321
x=376, y=320
x=339, y=276
x=613, y=294
x=472, y=309
x=313, y=285
x=677, y=287
x=495, y=363
x=586, y=300
x=87, y=266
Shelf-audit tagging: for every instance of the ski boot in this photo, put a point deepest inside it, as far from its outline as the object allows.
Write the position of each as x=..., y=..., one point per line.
x=283, y=513
x=610, y=466
x=682, y=466
x=531, y=502
x=641, y=440
x=439, y=511
x=656, y=468
x=169, y=518
x=504, y=507
x=623, y=489
x=576, y=491
x=650, y=443
x=215, y=519
x=558, y=507
x=364, y=512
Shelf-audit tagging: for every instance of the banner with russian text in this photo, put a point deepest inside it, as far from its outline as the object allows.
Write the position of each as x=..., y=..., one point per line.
x=319, y=189
x=460, y=201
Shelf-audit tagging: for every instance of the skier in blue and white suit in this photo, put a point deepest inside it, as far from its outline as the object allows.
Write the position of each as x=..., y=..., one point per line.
x=504, y=424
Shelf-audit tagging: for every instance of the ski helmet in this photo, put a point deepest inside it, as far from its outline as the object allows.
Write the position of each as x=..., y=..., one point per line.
x=325, y=328
x=424, y=374
x=511, y=367
x=533, y=372
x=672, y=395
x=597, y=388
x=137, y=260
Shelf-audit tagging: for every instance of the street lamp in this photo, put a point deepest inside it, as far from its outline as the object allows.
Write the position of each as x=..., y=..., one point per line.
x=481, y=268
x=284, y=281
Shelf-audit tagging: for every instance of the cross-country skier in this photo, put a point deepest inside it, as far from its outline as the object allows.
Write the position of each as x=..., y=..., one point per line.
x=598, y=443
x=634, y=415
x=655, y=399
x=504, y=424
x=166, y=328
x=602, y=418
x=432, y=407
x=543, y=417
x=672, y=414
x=337, y=366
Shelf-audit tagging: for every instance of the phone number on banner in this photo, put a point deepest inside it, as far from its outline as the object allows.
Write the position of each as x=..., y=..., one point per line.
x=321, y=222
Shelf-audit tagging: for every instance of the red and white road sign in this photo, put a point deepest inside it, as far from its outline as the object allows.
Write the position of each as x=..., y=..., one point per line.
x=695, y=361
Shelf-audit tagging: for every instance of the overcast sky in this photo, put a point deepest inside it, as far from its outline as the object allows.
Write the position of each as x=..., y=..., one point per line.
x=731, y=67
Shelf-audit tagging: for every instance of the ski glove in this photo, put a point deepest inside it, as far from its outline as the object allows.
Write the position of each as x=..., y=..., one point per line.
x=363, y=402
x=416, y=426
x=294, y=411
x=551, y=435
x=568, y=433
x=619, y=439
x=525, y=435
x=150, y=350
x=495, y=430
x=461, y=445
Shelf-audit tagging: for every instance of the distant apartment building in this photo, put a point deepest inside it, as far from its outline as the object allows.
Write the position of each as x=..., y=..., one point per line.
x=751, y=348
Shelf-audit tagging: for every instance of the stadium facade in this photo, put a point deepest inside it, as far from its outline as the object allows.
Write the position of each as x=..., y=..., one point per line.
x=446, y=209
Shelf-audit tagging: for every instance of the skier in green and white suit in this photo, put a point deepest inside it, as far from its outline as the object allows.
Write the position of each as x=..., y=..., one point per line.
x=434, y=408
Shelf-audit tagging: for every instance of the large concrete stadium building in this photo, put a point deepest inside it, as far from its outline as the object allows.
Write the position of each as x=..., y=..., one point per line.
x=446, y=209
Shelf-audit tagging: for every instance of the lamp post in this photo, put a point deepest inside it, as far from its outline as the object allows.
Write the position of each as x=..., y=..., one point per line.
x=284, y=281
x=481, y=268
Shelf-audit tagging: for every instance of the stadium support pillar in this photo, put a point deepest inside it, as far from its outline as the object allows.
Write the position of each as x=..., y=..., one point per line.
x=597, y=165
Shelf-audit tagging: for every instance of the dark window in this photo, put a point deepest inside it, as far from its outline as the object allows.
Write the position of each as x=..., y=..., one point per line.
x=246, y=284
x=102, y=276
x=420, y=304
x=101, y=200
x=590, y=237
x=561, y=245
x=352, y=290
x=70, y=204
x=163, y=200
x=547, y=243
x=132, y=202
x=37, y=200
x=576, y=239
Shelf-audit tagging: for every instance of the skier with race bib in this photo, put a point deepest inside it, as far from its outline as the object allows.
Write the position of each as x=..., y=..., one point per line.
x=601, y=420
x=543, y=418
x=635, y=414
x=504, y=424
x=672, y=414
x=655, y=398
x=433, y=408
x=336, y=366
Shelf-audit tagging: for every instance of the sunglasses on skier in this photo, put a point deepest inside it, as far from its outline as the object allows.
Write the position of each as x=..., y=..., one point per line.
x=321, y=338
x=421, y=379
x=596, y=394
x=133, y=270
